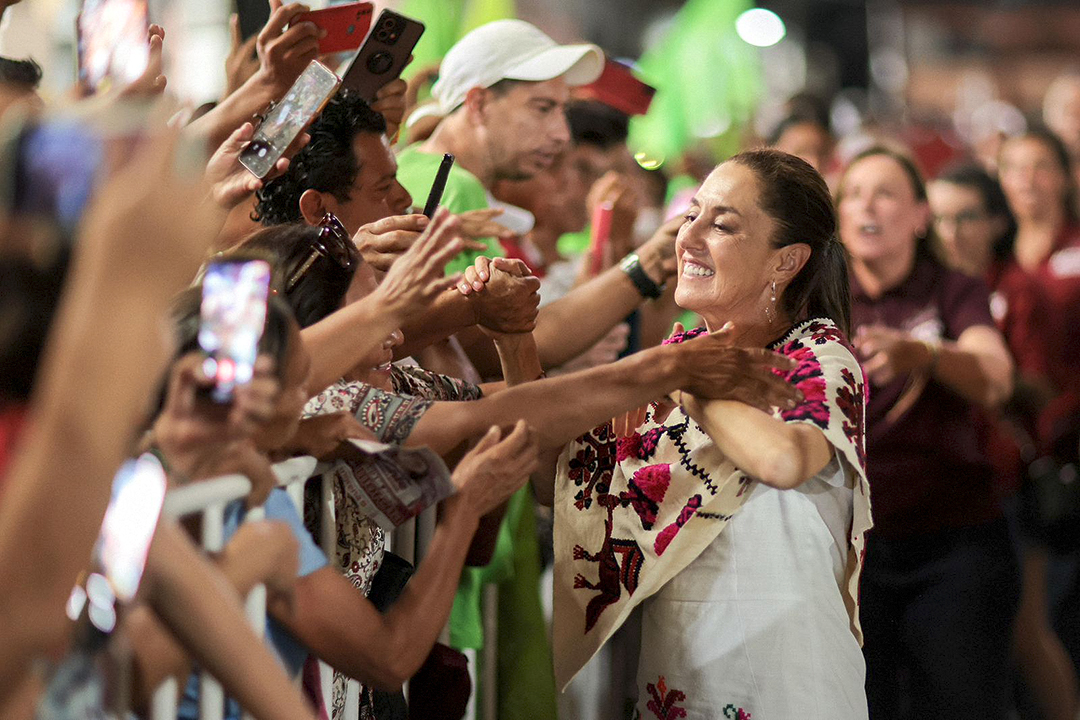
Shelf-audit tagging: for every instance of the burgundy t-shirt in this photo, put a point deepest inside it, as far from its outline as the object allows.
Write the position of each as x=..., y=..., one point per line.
x=926, y=470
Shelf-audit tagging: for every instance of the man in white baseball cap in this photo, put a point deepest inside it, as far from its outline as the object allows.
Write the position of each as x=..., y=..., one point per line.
x=501, y=92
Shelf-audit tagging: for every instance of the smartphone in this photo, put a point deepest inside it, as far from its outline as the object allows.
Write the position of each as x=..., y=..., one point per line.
x=383, y=55
x=231, y=320
x=345, y=25
x=618, y=88
x=439, y=185
x=138, y=493
x=56, y=169
x=113, y=42
x=253, y=16
x=294, y=112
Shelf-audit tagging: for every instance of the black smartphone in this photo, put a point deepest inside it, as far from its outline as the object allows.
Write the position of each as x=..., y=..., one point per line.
x=437, y=187
x=253, y=16
x=113, y=41
x=294, y=112
x=231, y=320
x=383, y=55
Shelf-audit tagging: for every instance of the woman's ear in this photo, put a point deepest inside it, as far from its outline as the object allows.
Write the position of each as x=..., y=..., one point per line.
x=312, y=206
x=790, y=260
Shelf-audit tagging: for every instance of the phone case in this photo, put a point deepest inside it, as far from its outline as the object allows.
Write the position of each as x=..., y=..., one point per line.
x=383, y=55
x=294, y=112
x=253, y=15
x=111, y=41
x=345, y=25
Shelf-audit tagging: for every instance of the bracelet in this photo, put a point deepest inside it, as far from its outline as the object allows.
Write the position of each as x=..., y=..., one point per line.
x=631, y=265
x=934, y=348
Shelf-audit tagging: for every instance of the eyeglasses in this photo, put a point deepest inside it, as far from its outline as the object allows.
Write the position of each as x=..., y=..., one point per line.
x=333, y=242
x=960, y=219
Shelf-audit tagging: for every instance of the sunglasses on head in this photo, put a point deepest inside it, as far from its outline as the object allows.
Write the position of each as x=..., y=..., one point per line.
x=332, y=242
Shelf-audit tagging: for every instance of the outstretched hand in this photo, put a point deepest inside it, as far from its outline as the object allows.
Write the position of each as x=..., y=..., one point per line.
x=495, y=468
x=713, y=368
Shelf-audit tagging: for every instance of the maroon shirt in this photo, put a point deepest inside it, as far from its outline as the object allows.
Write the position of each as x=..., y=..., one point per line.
x=926, y=470
x=1039, y=314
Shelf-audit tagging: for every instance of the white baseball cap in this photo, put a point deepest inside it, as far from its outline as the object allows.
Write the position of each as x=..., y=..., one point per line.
x=507, y=50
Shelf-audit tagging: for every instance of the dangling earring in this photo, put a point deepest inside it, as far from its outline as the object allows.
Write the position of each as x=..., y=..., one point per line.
x=770, y=310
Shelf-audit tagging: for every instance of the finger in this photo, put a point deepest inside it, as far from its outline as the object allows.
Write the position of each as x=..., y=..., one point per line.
x=280, y=16
x=234, y=32
x=482, y=270
x=414, y=223
x=677, y=329
x=488, y=441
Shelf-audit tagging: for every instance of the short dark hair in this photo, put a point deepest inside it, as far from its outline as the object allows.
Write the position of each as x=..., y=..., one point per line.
x=594, y=123
x=993, y=198
x=24, y=74
x=321, y=290
x=797, y=198
x=327, y=163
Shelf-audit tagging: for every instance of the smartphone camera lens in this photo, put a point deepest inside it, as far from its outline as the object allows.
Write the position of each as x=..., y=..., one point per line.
x=379, y=63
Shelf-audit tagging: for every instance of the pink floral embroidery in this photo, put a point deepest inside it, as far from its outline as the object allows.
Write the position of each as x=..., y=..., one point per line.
x=646, y=491
x=668, y=534
x=663, y=701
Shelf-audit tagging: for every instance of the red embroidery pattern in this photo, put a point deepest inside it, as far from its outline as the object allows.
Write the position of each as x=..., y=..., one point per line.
x=733, y=713
x=610, y=575
x=646, y=491
x=851, y=400
x=663, y=701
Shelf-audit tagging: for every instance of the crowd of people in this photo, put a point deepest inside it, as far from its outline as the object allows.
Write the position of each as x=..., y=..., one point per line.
x=793, y=436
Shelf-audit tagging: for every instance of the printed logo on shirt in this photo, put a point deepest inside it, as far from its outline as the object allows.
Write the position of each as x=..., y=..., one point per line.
x=999, y=306
x=1066, y=263
x=926, y=324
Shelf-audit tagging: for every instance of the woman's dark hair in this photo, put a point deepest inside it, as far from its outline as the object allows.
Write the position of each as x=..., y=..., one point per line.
x=321, y=289
x=1061, y=153
x=328, y=163
x=993, y=199
x=796, y=197
x=929, y=239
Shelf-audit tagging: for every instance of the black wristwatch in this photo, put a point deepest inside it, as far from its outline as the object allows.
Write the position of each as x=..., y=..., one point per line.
x=631, y=265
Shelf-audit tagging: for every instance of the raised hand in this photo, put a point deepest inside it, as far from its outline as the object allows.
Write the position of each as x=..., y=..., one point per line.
x=417, y=277
x=284, y=53
x=190, y=434
x=495, y=468
x=230, y=182
x=152, y=82
x=382, y=242
x=505, y=294
x=270, y=552
x=390, y=103
x=241, y=62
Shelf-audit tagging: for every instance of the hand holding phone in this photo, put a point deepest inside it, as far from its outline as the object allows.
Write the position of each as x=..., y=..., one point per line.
x=232, y=316
x=345, y=25
x=437, y=187
x=113, y=41
x=385, y=53
x=301, y=104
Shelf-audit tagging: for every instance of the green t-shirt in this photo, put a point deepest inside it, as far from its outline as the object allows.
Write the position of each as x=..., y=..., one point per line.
x=417, y=170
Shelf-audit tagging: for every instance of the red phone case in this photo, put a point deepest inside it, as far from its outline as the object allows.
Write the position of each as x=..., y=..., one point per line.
x=618, y=88
x=345, y=25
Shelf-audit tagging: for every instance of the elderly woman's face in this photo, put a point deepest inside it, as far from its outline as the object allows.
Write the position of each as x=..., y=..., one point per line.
x=725, y=249
x=880, y=215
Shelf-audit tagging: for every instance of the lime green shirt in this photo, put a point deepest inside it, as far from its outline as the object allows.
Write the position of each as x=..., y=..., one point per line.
x=417, y=170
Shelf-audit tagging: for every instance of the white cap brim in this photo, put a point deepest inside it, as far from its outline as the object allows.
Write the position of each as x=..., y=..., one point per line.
x=429, y=109
x=576, y=64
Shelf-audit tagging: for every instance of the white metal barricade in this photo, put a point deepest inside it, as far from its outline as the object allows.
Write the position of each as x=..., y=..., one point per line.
x=210, y=498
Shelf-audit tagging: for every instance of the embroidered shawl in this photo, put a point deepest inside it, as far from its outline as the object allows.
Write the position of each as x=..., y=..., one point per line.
x=630, y=513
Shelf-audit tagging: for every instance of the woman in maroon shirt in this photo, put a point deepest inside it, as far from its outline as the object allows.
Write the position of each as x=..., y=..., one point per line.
x=940, y=581
x=1038, y=294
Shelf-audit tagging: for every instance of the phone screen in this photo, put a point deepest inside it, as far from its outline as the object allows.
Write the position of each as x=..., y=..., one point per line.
x=113, y=41
x=305, y=99
x=232, y=316
x=138, y=492
x=56, y=170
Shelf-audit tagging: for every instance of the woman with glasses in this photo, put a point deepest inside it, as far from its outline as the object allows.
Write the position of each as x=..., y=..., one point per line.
x=940, y=587
x=972, y=220
x=1038, y=297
